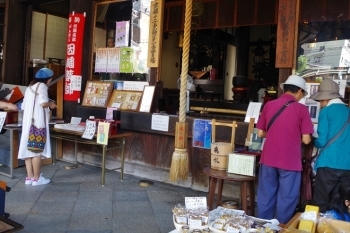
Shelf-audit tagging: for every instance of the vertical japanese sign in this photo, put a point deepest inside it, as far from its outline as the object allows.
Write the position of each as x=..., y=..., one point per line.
x=285, y=33
x=76, y=22
x=155, y=32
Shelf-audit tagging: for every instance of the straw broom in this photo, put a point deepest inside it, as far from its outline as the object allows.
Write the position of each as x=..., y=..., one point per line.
x=179, y=163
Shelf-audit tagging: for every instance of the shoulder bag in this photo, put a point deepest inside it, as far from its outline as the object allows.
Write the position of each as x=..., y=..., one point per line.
x=278, y=113
x=37, y=136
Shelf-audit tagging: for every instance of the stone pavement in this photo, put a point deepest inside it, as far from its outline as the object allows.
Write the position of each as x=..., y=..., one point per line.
x=75, y=202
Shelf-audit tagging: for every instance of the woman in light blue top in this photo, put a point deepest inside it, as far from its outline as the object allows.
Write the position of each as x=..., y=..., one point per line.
x=333, y=163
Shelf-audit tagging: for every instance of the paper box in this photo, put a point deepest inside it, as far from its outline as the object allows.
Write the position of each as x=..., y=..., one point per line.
x=293, y=224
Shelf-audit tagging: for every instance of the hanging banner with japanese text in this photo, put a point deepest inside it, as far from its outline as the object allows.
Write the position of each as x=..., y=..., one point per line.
x=76, y=22
x=155, y=33
x=285, y=33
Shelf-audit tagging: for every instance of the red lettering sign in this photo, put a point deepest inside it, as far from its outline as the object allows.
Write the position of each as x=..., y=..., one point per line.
x=75, y=36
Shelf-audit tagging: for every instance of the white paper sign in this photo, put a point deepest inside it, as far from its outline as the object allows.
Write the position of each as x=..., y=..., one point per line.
x=241, y=164
x=90, y=129
x=134, y=85
x=2, y=119
x=253, y=111
x=342, y=86
x=75, y=120
x=75, y=82
x=160, y=122
x=195, y=202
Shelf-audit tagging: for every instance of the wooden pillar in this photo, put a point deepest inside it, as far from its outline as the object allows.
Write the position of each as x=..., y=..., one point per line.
x=286, y=33
x=242, y=50
x=14, y=34
x=283, y=74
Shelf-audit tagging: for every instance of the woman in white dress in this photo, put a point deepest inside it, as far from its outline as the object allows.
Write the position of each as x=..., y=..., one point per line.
x=42, y=104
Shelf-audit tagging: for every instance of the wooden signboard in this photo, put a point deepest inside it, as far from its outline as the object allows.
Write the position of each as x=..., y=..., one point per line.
x=97, y=93
x=155, y=35
x=125, y=100
x=285, y=33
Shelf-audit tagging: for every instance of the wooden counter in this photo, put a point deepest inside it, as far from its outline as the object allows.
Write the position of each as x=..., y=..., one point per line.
x=153, y=149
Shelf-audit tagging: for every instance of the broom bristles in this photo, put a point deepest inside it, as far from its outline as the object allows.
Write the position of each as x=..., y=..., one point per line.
x=179, y=165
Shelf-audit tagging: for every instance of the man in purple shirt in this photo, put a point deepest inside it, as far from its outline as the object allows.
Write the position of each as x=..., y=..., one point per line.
x=280, y=162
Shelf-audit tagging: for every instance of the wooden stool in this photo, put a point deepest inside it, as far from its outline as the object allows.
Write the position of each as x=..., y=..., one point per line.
x=245, y=182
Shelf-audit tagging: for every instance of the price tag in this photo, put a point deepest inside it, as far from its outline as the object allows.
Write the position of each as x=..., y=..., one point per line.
x=195, y=202
x=194, y=223
x=232, y=230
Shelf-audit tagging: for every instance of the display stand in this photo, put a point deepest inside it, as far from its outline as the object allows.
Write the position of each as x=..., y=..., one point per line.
x=114, y=142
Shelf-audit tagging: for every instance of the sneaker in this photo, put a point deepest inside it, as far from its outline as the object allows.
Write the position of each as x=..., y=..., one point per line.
x=40, y=181
x=28, y=180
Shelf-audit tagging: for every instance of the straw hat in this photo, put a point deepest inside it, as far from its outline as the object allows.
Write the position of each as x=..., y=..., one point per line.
x=327, y=90
x=296, y=81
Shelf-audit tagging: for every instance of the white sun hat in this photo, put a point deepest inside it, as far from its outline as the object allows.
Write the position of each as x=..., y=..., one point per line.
x=296, y=81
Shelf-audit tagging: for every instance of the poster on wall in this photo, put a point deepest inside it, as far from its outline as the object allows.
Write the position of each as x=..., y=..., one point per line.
x=101, y=60
x=122, y=34
x=113, y=61
x=201, y=133
x=126, y=60
x=75, y=34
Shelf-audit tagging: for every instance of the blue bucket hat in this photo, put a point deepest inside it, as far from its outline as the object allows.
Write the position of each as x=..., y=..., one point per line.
x=44, y=73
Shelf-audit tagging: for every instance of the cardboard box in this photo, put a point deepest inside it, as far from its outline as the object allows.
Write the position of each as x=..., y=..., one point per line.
x=293, y=224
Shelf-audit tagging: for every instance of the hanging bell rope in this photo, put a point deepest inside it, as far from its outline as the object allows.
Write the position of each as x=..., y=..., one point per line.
x=179, y=163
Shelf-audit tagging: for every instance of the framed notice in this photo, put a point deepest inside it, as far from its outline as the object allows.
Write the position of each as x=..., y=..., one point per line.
x=241, y=164
x=147, y=99
x=125, y=100
x=97, y=93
